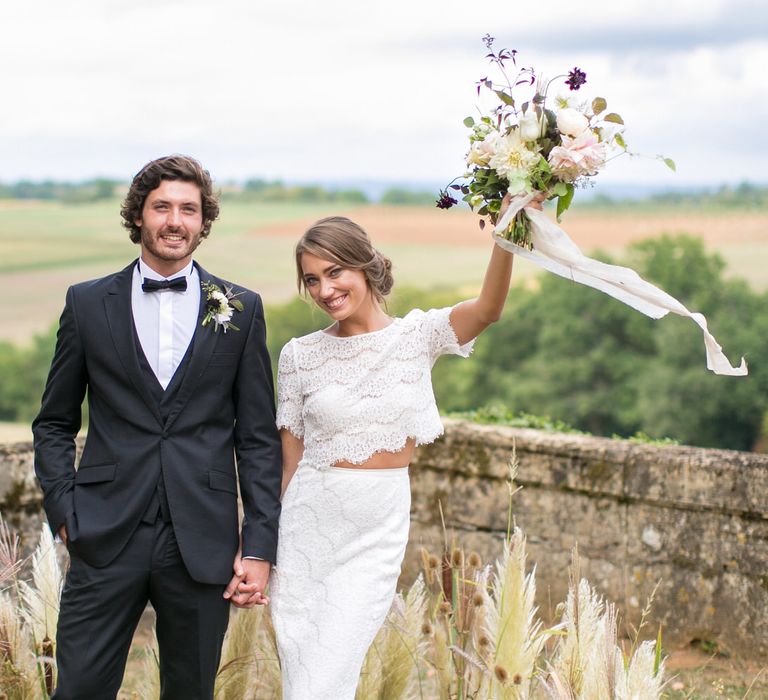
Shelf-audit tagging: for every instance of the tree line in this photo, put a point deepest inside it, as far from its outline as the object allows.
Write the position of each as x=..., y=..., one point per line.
x=565, y=352
x=252, y=190
x=745, y=196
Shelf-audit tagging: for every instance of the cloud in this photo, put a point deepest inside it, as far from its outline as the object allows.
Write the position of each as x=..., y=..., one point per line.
x=306, y=90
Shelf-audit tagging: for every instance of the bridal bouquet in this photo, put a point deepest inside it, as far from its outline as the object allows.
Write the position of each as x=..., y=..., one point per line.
x=525, y=147
x=533, y=151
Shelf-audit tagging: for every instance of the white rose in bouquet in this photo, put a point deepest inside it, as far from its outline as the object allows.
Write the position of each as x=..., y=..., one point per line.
x=530, y=127
x=571, y=122
x=480, y=152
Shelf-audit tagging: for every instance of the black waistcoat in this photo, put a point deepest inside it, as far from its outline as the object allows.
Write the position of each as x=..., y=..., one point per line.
x=158, y=506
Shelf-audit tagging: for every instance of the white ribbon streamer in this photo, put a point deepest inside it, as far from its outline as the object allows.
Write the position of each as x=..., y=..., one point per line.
x=554, y=251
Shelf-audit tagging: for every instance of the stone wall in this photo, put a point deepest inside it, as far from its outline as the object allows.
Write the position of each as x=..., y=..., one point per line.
x=694, y=521
x=20, y=497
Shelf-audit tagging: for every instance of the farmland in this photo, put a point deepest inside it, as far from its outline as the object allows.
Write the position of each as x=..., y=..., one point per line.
x=45, y=247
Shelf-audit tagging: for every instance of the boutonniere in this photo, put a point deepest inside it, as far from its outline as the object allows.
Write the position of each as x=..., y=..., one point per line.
x=220, y=306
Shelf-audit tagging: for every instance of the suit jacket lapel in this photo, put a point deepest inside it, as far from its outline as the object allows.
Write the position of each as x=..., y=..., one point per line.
x=117, y=306
x=203, y=344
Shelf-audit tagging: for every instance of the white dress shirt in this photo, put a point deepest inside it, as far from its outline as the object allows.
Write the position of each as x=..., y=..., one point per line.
x=165, y=320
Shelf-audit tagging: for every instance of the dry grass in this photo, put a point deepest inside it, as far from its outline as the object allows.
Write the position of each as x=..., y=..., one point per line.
x=464, y=630
x=28, y=617
x=486, y=640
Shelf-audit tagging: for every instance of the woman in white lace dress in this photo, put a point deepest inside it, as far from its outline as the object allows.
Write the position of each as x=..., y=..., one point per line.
x=353, y=402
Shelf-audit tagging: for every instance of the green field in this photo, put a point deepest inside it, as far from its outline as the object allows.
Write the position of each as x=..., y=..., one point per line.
x=46, y=246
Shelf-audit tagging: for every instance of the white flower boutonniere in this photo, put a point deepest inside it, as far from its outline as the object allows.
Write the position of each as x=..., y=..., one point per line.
x=220, y=306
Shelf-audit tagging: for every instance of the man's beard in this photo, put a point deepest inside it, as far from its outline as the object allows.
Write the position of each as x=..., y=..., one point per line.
x=150, y=243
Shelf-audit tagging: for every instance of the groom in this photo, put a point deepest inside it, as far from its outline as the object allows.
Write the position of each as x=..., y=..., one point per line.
x=179, y=384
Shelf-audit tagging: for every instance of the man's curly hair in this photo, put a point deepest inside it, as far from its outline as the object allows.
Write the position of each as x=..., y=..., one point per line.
x=175, y=167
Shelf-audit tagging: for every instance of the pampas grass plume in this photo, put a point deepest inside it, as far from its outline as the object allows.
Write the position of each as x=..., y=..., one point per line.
x=391, y=668
x=10, y=561
x=18, y=673
x=41, y=599
x=510, y=620
x=249, y=665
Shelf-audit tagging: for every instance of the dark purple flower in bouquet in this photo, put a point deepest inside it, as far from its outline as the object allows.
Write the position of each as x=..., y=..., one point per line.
x=576, y=78
x=445, y=201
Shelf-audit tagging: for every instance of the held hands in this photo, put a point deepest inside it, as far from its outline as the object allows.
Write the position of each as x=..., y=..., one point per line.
x=246, y=588
x=537, y=201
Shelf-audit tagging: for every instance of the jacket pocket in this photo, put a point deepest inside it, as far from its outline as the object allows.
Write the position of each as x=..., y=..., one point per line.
x=95, y=475
x=221, y=481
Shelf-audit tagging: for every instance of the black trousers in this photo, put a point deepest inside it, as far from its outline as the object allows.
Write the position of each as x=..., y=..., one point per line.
x=100, y=609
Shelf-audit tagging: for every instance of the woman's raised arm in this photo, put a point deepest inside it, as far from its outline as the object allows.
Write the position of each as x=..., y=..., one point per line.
x=472, y=317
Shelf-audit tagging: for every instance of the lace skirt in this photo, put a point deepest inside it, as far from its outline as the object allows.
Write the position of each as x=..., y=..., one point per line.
x=342, y=539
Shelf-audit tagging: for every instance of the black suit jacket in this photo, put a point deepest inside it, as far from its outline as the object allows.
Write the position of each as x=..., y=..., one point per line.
x=223, y=410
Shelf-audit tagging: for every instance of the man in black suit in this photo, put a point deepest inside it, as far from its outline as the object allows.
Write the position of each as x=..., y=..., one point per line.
x=179, y=384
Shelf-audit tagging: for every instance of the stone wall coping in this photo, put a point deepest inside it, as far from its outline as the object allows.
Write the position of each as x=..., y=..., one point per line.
x=726, y=481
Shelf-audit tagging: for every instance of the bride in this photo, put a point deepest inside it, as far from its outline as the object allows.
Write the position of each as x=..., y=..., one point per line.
x=354, y=400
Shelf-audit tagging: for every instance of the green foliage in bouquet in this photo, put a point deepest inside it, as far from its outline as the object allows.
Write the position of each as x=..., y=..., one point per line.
x=525, y=147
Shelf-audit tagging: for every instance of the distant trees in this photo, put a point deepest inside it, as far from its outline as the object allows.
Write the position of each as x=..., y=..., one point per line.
x=71, y=192
x=564, y=351
x=576, y=355
x=743, y=196
x=23, y=371
x=402, y=196
x=260, y=190
x=257, y=190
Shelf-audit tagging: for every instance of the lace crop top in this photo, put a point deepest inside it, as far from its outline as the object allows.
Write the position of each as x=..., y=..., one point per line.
x=350, y=397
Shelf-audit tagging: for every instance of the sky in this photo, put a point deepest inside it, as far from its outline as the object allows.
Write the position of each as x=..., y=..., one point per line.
x=312, y=91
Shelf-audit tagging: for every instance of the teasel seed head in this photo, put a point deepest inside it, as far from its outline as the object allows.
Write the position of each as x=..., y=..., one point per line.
x=501, y=674
x=457, y=558
x=477, y=600
x=427, y=630
x=48, y=652
x=474, y=560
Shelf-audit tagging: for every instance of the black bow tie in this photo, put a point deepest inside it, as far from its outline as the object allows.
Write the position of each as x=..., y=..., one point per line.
x=177, y=284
